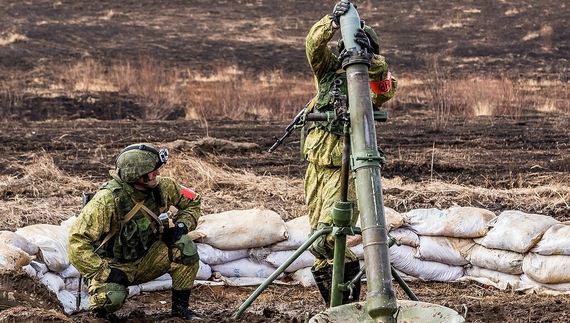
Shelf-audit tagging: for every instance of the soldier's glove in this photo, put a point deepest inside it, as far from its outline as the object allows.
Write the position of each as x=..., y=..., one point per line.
x=171, y=235
x=362, y=39
x=118, y=276
x=340, y=9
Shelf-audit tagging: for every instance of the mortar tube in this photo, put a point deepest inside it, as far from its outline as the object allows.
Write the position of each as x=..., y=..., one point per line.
x=380, y=298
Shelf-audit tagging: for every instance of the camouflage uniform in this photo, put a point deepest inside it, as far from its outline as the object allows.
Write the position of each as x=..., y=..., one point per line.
x=323, y=144
x=136, y=247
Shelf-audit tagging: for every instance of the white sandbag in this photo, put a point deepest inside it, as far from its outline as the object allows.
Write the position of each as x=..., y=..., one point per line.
x=406, y=236
x=299, y=231
x=554, y=241
x=505, y=261
x=164, y=277
x=40, y=268
x=68, y=300
x=517, y=231
x=562, y=287
x=134, y=290
x=458, y=222
x=547, y=269
x=244, y=267
x=305, y=277
x=13, y=258
x=214, y=256
x=358, y=250
x=451, y=251
x=394, y=220
x=69, y=222
x=500, y=280
x=402, y=258
x=155, y=285
x=277, y=258
x=30, y=271
x=70, y=271
x=11, y=238
x=240, y=229
x=52, y=241
x=204, y=272
x=53, y=282
x=72, y=284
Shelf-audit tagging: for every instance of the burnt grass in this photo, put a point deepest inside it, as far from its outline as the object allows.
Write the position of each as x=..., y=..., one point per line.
x=475, y=37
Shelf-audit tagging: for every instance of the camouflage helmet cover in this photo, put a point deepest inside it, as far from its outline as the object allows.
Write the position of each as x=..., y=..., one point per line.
x=137, y=160
x=374, y=42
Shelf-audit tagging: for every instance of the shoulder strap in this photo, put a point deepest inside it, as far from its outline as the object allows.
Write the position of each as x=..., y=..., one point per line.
x=127, y=217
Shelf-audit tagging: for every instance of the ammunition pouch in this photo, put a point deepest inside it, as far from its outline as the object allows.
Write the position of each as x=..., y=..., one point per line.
x=111, y=297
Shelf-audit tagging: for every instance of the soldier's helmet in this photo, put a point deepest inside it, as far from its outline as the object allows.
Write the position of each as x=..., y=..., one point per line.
x=374, y=42
x=139, y=159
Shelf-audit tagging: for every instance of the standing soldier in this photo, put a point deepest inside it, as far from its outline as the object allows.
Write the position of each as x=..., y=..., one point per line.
x=324, y=142
x=122, y=236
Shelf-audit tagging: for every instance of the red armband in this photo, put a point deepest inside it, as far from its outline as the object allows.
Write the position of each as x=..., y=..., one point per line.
x=382, y=87
x=188, y=192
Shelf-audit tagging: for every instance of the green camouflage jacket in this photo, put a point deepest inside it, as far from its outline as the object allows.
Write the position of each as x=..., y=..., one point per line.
x=323, y=146
x=109, y=205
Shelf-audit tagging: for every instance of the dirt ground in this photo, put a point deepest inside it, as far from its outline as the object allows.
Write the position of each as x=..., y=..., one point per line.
x=497, y=163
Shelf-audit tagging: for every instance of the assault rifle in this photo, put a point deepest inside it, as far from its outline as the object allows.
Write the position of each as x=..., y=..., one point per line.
x=298, y=122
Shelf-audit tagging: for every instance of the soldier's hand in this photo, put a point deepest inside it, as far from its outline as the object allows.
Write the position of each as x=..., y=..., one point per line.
x=362, y=39
x=340, y=9
x=171, y=235
x=118, y=276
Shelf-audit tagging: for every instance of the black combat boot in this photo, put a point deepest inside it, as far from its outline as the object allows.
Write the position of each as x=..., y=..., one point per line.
x=180, y=301
x=351, y=269
x=323, y=278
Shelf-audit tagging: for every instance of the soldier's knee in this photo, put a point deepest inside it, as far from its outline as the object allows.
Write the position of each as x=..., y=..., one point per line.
x=110, y=297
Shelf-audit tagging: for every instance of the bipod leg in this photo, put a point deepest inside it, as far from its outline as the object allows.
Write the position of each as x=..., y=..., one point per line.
x=278, y=271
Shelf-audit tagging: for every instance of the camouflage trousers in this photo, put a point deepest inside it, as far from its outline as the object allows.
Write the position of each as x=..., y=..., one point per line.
x=322, y=190
x=154, y=264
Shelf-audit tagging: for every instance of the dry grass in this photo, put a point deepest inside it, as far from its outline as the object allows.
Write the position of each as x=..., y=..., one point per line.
x=228, y=93
x=36, y=195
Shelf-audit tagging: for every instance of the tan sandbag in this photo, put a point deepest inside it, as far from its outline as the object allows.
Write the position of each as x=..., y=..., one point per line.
x=498, y=279
x=11, y=238
x=299, y=231
x=240, y=229
x=12, y=258
x=406, y=236
x=52, y=241
x=505, y=261
x=547, y=269
x=457, y=222
x=446, y=250
x=555, y=241
x=517, y=231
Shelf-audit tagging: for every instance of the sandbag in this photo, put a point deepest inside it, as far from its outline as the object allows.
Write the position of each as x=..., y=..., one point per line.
x=446, y=250
x=505, y=261
x=555, y=241
x=13, y=258
x=457, y=222
x=402, y=258
x=547, y=269
x=305, y=277
x=240, y=229
x=52, y=241
x=277, y=258
x=517, y=231
x=244, y=267
x=214, y=256
x=497, y=278
x=562, y=287
x=299, y=231
x=14, y=239
x=204, y=272
x=53, y=282
x=405, y=235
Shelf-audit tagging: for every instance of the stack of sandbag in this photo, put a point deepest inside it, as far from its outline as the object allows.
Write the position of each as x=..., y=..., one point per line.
x=434, y=245
x=502, y=255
